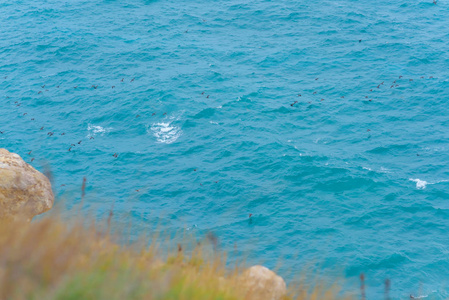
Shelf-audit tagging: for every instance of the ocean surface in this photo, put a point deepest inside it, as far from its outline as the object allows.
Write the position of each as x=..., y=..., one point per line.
x=328, y=121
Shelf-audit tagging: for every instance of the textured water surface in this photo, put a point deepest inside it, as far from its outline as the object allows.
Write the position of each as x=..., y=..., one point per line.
x=185, y=111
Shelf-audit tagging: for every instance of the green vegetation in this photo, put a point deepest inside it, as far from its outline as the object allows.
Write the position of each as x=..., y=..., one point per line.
x=51, y=259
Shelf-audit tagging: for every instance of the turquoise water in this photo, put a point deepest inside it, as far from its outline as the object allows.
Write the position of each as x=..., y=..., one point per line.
x=345, y=181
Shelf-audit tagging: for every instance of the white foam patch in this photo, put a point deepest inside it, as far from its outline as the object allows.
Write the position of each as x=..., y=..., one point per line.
x=419, y=297
x=422, y=184
x=384, y=170
x=165, y=132
x=93, y=130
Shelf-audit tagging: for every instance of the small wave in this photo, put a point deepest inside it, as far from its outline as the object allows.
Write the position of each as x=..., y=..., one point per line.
x=194, y=226
x=165, y=132
x=384, y=170
x=93, y=130
x=418, y=297
x=205, y=113
x=422, y=184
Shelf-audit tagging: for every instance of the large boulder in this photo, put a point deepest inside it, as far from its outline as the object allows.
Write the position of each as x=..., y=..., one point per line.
x=24, y=191
x=262, y=283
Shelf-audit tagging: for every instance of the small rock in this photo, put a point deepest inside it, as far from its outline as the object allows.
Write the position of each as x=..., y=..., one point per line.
x=263, y=284
x=24, y=191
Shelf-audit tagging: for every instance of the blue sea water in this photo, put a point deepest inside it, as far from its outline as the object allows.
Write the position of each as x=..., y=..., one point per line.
x=353, y=178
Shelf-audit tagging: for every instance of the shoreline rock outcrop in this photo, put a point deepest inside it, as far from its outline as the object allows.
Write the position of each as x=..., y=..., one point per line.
x=24, y=191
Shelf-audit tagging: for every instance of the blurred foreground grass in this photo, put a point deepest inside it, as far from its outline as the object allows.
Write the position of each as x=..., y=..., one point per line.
x=55, y=259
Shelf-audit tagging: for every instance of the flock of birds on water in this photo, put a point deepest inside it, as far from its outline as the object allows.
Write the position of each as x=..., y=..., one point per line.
x=393, y=84
x=51, y=133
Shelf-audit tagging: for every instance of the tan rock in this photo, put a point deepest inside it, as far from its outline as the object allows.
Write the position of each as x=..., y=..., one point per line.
x=24, y=191
x=263, y=284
